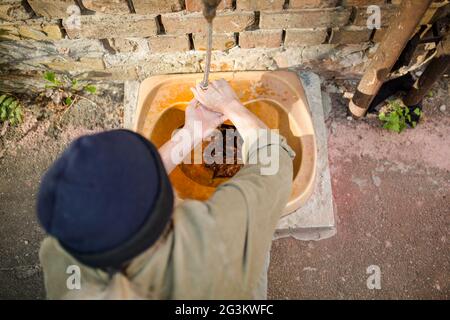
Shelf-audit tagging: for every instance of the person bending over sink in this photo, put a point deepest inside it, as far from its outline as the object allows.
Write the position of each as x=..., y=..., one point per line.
x=113, y=230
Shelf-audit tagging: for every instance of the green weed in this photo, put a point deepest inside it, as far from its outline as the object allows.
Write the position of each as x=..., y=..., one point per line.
x=397, y=116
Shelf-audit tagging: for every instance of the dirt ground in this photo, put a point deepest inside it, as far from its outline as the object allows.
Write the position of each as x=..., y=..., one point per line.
x=25, y=153
x=392, y=193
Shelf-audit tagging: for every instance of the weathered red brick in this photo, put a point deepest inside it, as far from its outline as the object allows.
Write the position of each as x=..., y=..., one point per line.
x=107, y=6
x=112, y=26
x=312, y=4
x=363, y=3
x=168, y=43
x=156, y=6
x=258, y=5
x=388, y=12
x=197, y=6
x=179, y=23
x=350, y=35
x=304, y=37
x=33, y=29
x=221, y=41
x=260, y=39
x=123, y=45
x=310, y=18
x=13, y=11
x=52, y=8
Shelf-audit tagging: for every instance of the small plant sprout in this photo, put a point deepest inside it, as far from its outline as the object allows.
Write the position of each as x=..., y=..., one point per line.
x=64, y=91
x=91, y=89
x=10, y=110
x=397, y=116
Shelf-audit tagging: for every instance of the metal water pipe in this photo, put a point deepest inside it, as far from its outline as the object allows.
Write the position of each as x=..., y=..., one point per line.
x=209, y=12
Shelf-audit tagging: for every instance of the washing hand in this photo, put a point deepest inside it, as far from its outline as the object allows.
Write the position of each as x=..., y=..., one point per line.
x=218, y=97
x=197, y=115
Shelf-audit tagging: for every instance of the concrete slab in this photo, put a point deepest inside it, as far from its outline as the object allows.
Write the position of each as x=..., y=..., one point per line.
x=314, y=220
x=130, y=99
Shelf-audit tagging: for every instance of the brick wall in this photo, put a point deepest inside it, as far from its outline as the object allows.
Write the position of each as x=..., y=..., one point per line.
x=132, y=39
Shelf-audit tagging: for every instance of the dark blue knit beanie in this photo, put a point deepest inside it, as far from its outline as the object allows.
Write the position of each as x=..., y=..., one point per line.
x=107, y=198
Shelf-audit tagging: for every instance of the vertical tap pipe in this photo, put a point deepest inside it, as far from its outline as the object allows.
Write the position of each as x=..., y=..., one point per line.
x=205, y=81
x=401, y=29
x=209, y=12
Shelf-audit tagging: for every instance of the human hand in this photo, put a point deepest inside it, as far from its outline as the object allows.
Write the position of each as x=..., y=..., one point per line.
x=197, y=115
x=218, y=97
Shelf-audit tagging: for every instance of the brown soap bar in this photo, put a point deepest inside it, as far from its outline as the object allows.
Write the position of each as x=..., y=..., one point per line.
x=230, y=146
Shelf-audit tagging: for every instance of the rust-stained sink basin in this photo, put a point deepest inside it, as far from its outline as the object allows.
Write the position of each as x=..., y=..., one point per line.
x=277, y=98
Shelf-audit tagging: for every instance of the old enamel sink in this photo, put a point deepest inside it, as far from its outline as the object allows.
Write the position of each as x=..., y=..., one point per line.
x=277, y=98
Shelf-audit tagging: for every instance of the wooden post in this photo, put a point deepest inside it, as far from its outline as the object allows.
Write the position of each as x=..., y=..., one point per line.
x=437, y=67
x=402, y=27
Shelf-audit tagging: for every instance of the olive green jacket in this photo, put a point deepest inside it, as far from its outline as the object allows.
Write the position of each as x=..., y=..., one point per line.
x=212, y=250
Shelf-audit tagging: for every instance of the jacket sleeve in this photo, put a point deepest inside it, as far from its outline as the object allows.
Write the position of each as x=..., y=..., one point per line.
x=233, y=230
